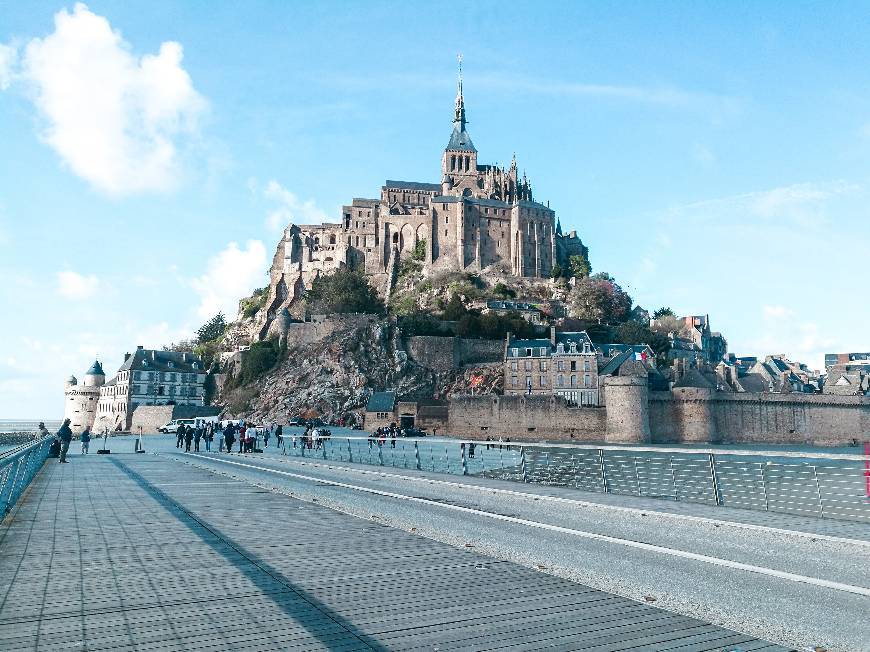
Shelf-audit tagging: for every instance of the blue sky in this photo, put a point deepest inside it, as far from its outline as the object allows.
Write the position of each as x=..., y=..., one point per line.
x=714, y=157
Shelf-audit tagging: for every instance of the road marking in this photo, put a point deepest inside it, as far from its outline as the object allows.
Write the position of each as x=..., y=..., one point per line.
x=584, y=503
x=716, y=561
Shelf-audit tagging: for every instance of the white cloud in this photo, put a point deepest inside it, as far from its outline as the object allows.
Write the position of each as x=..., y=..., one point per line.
x=116, y=119
x=777, y=312
x=8, y=59
x=231, y=275
x=72, y=285
x=290, y=209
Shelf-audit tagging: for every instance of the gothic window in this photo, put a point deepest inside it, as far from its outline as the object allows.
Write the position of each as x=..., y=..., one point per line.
x=453, y=162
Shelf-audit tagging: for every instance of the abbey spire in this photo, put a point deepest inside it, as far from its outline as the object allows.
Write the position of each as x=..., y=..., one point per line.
x=460, y=141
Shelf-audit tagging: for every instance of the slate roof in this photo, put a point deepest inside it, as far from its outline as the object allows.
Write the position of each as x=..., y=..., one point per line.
x=522, y=345
x=578, y=337
x=412, y=185
x=96, y=369
x=460, y=141
x=153, y=360
x=615, y=363
x=381, y=402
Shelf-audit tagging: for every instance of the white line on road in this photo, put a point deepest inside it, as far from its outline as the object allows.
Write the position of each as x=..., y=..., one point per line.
x=716, y=561
x=586, y=503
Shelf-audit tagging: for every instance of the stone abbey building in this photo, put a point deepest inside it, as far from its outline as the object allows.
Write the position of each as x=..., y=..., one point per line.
x=478, y=216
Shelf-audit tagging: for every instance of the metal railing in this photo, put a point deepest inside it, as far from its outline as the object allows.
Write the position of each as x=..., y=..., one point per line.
x=822, y=485
x=17, y=468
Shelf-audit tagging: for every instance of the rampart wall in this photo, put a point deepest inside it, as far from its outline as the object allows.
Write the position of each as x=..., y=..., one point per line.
x=523, y=418
x=446, y=353
x=322, y=327
x=684, y=415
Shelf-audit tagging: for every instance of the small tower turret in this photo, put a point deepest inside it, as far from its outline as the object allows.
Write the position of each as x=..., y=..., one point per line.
x=95, y=377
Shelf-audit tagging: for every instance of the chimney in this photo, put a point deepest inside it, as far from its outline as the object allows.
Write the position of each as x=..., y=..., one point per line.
x=126, y=357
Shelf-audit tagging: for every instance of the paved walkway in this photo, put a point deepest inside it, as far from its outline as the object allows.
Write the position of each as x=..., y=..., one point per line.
x=139, y=552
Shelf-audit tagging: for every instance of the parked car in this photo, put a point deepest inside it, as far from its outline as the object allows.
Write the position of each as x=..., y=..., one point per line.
x=172, y=426
x=413, y=432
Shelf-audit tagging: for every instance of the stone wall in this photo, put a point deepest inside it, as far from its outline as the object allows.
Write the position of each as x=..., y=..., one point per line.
x=448, y=353
x=685, y=415
x=152, y=417
x=322, y=327
x=523, y=418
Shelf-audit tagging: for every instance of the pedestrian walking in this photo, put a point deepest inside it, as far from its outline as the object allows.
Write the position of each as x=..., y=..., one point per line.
x=266, y=433
x=242, y=437
x=229, y=437
x=65, y=437
x=197, y=435
x=85, y=438
x=179, y=435
x=188, y=437
x=471, y=447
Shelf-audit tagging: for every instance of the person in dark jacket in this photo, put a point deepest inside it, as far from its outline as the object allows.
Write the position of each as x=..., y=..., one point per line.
x=179, y=435
x=197, y=435
x=65, y=437
x=85, y=438
x=229, y=437
x=188, y=437
x=279, y=436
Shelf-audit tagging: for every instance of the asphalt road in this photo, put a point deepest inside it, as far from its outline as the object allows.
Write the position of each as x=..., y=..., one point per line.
x=786, y=584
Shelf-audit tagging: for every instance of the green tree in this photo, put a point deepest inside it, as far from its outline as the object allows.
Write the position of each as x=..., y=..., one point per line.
x=212, y=329
x=419, y=250
x=455, y=309
x=258, y=360
x=632, y=332
x=556, y=271
x=663, y=312
x=343, y=292
x=599, y=299
x=503, y=291
x=578, y=266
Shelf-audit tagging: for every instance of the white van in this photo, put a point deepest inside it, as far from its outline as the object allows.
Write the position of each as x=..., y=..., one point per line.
x=172, y=426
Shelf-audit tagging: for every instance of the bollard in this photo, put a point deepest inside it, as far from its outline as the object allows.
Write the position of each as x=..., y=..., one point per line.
x=713, y=478
x=349, y=451
x=603, y=470
x=523, y=467
x=417, y=456
x=464, y=447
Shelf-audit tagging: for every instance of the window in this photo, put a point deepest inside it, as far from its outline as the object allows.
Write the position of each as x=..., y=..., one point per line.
x=573, y=380
x=513, y=381
x=573, y=365
x=514, y=365
x=528, y=365
x=515, y=353
x=446, y=219
x=444, y=207
x=586, y=348
x=560, y=348
x=543, y=381
x=560, y=365
x=573, y=347
x=543, y=351
x=529, y=352
x=560, y=380
x=587, y=365
x=587, y=380
x=543, y=365
x=528, y=381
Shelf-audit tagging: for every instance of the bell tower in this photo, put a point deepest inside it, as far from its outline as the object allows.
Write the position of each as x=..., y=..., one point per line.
x=459, y=163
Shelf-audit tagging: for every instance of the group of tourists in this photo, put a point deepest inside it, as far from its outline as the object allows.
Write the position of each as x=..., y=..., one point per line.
x=246, y=435
x=63, y=438
x=382, y=434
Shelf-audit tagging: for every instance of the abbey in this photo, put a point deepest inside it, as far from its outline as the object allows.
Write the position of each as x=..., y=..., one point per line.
x=479, y=216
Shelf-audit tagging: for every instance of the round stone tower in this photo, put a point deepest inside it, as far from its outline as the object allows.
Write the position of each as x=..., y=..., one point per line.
x=627, y=409
x=80, y=401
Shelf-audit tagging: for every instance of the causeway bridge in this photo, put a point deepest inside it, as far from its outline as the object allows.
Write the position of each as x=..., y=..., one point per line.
x=344, y=547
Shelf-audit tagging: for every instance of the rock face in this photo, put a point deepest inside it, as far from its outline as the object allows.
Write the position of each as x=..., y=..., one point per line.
x=333, y=378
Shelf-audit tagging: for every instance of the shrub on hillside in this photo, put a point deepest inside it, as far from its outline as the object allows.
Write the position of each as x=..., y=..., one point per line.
x=344, y=291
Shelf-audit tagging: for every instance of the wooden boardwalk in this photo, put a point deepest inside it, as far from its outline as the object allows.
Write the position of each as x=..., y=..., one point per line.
x=132, y=552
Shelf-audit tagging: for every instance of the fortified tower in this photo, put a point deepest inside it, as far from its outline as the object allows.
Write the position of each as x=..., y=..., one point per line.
x=80, y=401
x=627, y=409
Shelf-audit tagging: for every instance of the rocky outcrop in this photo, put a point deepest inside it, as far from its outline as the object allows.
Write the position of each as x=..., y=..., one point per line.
x=333, y=377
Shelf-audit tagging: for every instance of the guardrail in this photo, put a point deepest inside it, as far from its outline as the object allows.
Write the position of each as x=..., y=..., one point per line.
x=827, y=485
x=17, y=468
